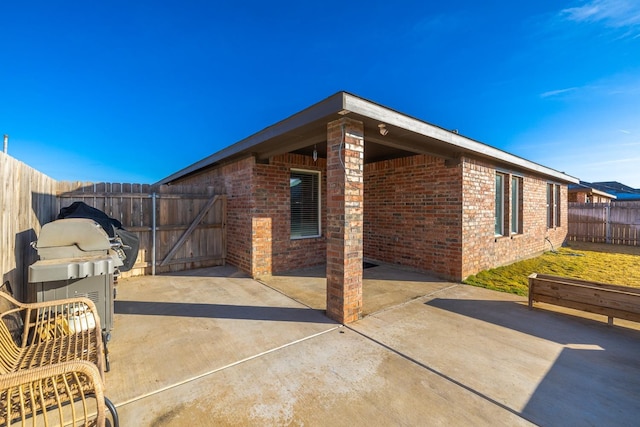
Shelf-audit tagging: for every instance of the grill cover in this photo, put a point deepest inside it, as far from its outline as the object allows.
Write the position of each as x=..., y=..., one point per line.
x=111, y=226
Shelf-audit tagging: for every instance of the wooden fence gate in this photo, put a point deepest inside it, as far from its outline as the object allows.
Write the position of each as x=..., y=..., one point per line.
x=179, y=227
x=616, y=223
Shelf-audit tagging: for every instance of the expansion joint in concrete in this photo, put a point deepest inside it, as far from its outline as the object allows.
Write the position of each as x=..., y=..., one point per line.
x=222, y=368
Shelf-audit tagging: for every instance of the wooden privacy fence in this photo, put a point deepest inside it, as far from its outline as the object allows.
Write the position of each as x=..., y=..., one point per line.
x=27, y=200
x=179, y=227
x=616, y=223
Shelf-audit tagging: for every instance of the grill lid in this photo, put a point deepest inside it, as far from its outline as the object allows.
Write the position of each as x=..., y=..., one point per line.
x=84, y=233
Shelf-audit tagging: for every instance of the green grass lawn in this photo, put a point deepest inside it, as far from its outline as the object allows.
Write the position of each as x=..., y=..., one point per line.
x=614, y=264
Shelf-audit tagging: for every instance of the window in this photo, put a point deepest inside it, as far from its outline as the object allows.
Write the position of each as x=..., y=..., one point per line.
x=516, y=205
x=500, y=199
x=549, y=205
x=508, y=204
x=305, y=204
x=556, y=201
x=553, y=205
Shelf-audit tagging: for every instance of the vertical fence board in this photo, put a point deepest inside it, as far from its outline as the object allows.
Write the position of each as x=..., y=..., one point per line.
x=30, y=199
x=589, y=222
x=176, y=207
x=27, y=201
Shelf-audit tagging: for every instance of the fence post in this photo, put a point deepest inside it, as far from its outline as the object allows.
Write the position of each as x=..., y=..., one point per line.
x=607, y=214
x=153, y=233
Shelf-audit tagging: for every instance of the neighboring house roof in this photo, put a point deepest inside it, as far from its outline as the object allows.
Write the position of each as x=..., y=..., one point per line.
x=628, y=197
x=589, y=188
x=619, y=189
x=307, y=129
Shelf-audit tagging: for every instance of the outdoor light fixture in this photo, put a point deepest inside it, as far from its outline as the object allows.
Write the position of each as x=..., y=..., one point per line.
x=315, y=153
x=383, y=129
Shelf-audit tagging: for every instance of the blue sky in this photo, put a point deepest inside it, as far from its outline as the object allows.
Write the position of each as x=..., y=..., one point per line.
x=132, y=91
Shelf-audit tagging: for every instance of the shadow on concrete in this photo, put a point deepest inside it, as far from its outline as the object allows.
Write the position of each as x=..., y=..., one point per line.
x=221, y=311
x=584, y=387
x=383, y=286
x=370, y=271
x=567, y=328
x=595, y=378
x=318, y=272
x=226, y=271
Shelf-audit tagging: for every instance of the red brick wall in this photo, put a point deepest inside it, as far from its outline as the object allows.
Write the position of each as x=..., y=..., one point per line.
x=258, y=213
x=236, y=178
x=578, y=197
x=481, y=248
x=261, y=246
x=412, y=214
x=272, y=199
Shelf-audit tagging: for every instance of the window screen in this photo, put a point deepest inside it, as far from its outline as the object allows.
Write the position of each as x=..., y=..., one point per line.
x=556, y=201
x=516, y=205
x=499, y=224
x=550, y=206
x=305, y=204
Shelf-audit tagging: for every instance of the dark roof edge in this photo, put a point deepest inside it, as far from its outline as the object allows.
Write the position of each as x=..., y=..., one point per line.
x=383, y=114
x=345, y=103
x=326, y=107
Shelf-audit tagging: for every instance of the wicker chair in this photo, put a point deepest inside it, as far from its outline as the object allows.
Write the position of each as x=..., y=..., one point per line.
x=65, y=394
x=50, y=334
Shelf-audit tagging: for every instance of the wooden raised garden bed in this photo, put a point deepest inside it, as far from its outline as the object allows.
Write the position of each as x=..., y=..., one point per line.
x=613, y=301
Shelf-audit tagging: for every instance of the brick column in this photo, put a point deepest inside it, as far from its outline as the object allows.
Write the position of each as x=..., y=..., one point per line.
x=261, y=241
x=345, y=195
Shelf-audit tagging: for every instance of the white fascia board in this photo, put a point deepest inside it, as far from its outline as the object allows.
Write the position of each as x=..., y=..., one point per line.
x=602, y=193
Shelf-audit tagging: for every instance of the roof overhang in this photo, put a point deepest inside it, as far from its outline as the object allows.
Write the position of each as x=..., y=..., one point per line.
x=307, y=130
x=586, y=189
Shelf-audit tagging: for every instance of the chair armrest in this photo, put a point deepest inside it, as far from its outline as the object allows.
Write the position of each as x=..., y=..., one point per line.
x=68, y=392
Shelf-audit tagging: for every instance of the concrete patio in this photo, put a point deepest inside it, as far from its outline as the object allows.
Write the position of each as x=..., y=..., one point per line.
x=214, y=347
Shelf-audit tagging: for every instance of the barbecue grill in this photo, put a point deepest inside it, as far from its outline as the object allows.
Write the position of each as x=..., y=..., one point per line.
x=77, y=259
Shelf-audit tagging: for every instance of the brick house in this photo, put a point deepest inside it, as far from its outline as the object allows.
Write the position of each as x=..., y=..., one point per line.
x=584, y=192
x=347, y=179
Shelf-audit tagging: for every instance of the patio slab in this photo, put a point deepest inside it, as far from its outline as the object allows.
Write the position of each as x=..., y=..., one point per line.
x=552, y=367
x=213, y=347
x=172, y=328
x=383, y=286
